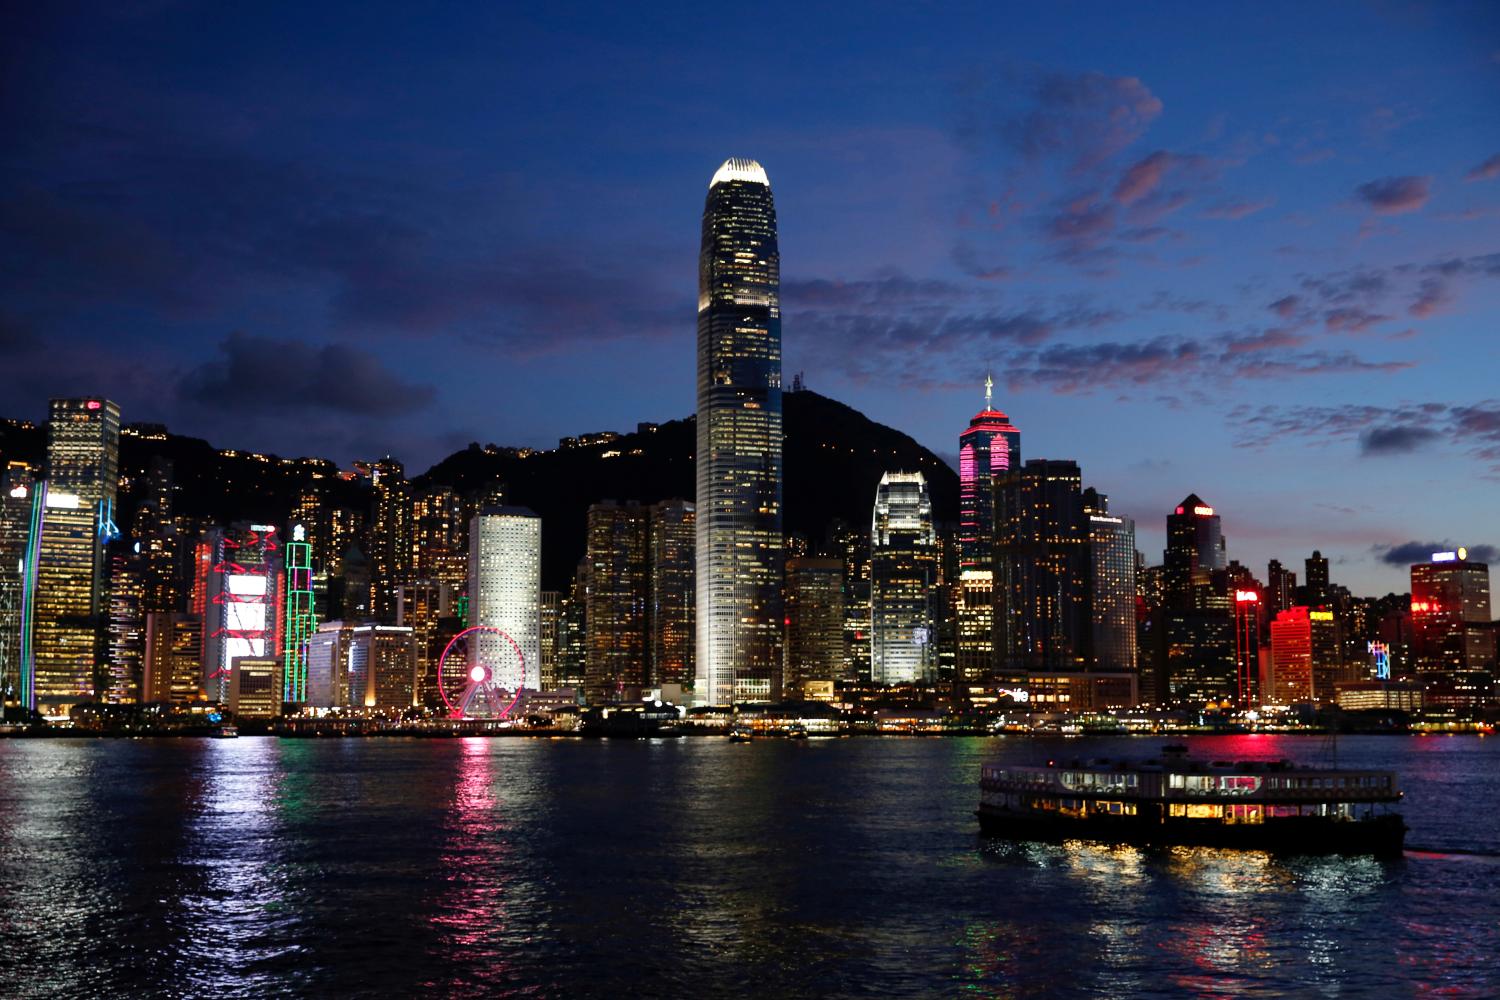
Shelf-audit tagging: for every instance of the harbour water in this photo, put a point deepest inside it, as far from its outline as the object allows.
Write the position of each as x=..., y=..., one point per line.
x=696, y=867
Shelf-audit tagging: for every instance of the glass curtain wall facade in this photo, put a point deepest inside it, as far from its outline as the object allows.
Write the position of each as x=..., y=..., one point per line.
x=739, y=460
x=989, y=447
x=903, y=581
x=67, y=612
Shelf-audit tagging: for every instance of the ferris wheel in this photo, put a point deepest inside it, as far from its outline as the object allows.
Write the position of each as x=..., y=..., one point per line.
x=481, y=673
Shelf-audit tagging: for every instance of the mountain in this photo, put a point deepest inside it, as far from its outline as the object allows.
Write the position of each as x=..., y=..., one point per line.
x=834, y=457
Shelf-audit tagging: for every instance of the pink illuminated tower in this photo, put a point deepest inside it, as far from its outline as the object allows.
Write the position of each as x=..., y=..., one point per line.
x=991, y=446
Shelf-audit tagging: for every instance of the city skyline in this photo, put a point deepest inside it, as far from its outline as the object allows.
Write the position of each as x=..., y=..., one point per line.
x=1267, y=291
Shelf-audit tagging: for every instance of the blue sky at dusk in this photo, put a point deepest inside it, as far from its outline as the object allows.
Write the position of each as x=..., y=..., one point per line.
x=1247, y=251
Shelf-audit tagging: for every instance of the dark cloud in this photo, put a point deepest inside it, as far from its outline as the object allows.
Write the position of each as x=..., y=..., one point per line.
x=1383, y=430
x=1395, y=195
x=1085, y=118
x=1069, y=368
x=1406, y=554
x=1486, y=171
x=292, y=376
x=1395, y=440
x=1286, y=307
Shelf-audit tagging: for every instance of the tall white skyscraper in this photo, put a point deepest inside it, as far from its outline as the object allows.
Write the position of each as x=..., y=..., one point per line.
x=505, y=592
x=903, y=581
x=739, y=542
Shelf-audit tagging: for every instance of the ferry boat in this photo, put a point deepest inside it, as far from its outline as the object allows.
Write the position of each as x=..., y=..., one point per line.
x=1175, y=799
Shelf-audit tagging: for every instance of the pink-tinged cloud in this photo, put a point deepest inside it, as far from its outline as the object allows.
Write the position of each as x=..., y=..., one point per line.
x=1287, y=306
x=1395, y=195
x=1486, y=171
x=1432, y=296
x=1237, y=209
x=1142, y=178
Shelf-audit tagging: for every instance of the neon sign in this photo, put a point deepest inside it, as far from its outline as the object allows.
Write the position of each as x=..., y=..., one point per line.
x=1246, y=595
x=1321, y=616
x=1204, y=511
x=1381, y=653
x=1444, y=556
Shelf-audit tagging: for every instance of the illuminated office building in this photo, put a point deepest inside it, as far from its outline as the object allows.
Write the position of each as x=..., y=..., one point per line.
x=903, y=581
x=1198, y=649
x=125, y=667
x=174, y=657
x=990, y=447
x=423, y=606
x=299, y=615
x=242, y=614
x=551, y=635
x=739, y=461
x=17, y=486
x=380, y=668
x=618, y=555
x=1112, y=548
x=1450, y=614
x=505, y=593
x=1044, y=559
x=669, y=618
x=1306, y=662
x=68, y=594
x=255, y=687
x=814, y=623
x=390, y=550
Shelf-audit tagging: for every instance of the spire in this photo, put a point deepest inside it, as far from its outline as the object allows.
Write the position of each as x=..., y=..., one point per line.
x=989, y=384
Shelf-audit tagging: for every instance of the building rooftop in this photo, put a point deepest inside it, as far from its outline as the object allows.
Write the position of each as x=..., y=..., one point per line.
x=735, y=169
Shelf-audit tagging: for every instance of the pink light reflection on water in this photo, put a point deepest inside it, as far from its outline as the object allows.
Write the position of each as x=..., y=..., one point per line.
x=469, y=914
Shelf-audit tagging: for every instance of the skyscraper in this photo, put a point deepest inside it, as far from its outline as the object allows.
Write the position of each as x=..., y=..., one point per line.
x=1198, y=639
x=903, y=581
x=619, y=583
x=1450, y=614
x=243, y=602
x=669, y=610
x=1112, y=543
x=814, y=622
x=991, y=446
x=1317, y=579
x=68, y=590
x=505, y=592
x=739, y=540
x=390, y=549
x=16, y=489
x=1044, y=560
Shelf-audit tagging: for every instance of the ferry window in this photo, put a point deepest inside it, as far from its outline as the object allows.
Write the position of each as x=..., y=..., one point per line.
x=1176, y=781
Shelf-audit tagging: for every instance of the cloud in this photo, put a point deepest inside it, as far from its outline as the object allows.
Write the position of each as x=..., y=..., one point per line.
x=1084, y=118
x=1486, y=171
x=1383, y=430
x=1236, y=210
x=1395, y=440
x=1432, y=295
x=266, y=374
x=1406, y=554
x=1395, y=195
x=1142, y=178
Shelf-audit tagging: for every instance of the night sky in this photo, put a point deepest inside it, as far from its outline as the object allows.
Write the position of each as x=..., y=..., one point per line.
x=1248, y=251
